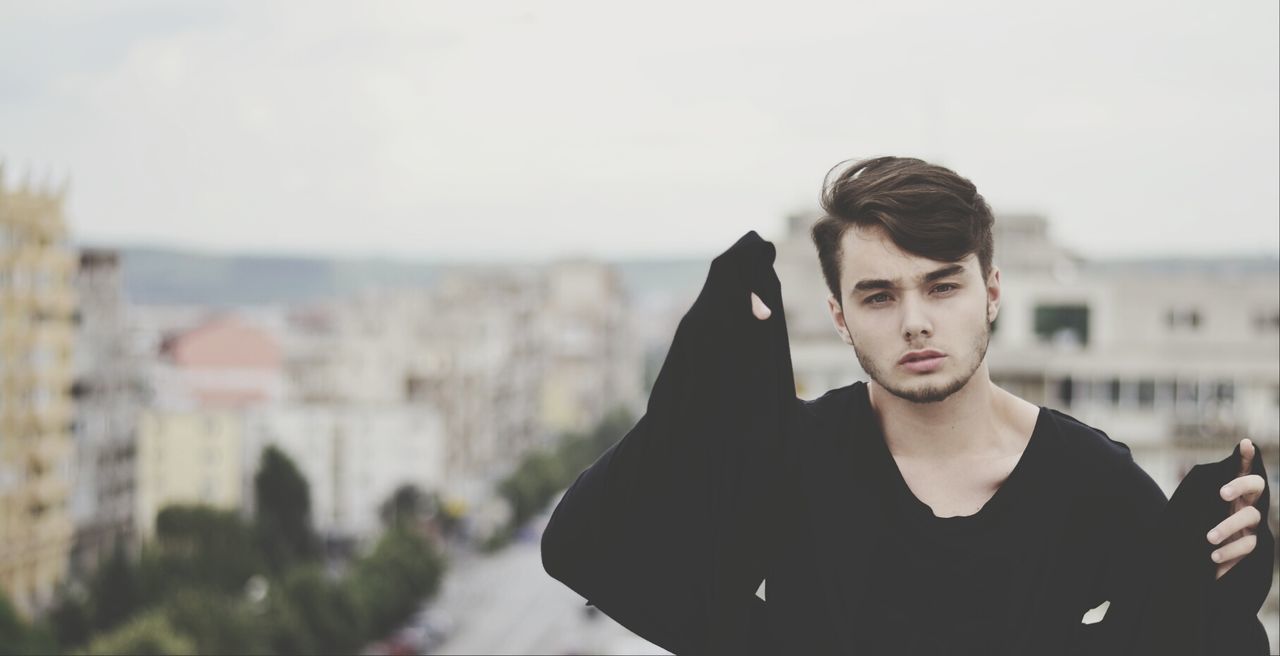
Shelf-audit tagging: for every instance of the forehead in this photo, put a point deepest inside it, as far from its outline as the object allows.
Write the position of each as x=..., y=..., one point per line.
x=868, y=252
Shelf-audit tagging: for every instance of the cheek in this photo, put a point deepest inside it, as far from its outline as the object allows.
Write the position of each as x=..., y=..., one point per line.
x=870, y=336
x=963, y=311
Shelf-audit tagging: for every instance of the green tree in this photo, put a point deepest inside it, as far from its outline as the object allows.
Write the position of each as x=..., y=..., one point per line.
x=407, y=506
x=71, y=618
x=287, y=631
x=541, y=475
x=611, y=428
x=217, y=623
x=327, y=609
x=283, y=519
x=198, y=546
x=149, y=634
x=115, y=591
x=19, y=637
x=528, y=489
x=389, y=583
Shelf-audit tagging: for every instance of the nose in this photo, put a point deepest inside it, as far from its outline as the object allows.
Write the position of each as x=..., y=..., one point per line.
x=915, y=323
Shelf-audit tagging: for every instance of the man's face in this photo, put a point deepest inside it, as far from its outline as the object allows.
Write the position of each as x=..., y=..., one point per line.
x=896, y=303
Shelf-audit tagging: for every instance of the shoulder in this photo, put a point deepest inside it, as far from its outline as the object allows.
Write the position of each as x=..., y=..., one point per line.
x=1088, y=444
x=841, y=401
x=1107, y=464
x=818, y=426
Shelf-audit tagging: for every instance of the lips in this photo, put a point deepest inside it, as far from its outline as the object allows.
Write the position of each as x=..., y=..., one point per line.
x=924, y=354
x=922, y=361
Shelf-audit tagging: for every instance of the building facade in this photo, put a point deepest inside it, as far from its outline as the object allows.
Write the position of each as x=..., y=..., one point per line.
x=1179, y=359
x=187, y=457
x=37, y=336
x=110, y=391
x=353, y=457
x=190, y=448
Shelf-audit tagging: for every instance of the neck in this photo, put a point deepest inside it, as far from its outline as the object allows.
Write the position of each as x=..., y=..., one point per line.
x=973, y=422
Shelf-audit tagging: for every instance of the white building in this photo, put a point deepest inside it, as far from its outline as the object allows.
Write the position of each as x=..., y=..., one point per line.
x=594, y=356
x=189, y=456
x=110, y=391
x=510, y=357
x=1179, y=359
x=353, y=457
x=462, y=355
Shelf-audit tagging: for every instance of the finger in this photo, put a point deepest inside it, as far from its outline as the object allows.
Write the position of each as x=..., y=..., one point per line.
x=1235, y=550
x=1239, y=521
x=758, y=307
x=1225, y=567
x=1245, y=487
x=1246, y=456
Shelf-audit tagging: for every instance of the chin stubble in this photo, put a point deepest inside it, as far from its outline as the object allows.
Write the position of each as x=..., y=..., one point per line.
x=932, y=393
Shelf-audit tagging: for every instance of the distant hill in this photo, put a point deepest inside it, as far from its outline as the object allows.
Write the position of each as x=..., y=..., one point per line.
x=161, y=277
x=1217, y=265
x=154, y=276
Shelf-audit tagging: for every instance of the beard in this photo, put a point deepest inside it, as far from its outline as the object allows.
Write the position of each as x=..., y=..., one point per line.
x=932, y=393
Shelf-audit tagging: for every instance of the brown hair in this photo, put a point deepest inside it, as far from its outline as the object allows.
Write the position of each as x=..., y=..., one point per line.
x=927, y=210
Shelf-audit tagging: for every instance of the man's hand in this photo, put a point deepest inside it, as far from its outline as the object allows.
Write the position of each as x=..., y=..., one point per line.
x=758, y=308
x=1238, y=530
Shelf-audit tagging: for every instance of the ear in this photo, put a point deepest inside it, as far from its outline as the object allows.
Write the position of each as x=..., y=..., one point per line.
x=837, y=317
x=993, y=294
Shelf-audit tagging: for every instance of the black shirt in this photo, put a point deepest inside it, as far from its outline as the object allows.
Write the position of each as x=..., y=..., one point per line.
x=945, y=585
x=728, y=479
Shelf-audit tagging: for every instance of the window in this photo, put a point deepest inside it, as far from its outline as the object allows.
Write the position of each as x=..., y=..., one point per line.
x=1164, y=393
x=1062, y=324
x=1188, y=392
x=1065, y=391
x=1113, y=391
x=1267, y=321
x=1225, y=391
x=1146, y=393
x=1183, y=319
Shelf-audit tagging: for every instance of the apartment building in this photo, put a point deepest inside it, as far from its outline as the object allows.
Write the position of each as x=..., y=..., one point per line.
x=1178, y=358
x=37, y=335
x=110, y=391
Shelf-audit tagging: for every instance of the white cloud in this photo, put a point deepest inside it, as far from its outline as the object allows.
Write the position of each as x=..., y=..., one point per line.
x=496, y=129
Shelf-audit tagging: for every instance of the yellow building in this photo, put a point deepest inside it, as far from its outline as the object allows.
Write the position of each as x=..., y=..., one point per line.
x=191, y=456
x=37, y=314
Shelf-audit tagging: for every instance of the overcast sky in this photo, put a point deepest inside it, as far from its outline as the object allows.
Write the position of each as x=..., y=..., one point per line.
x=534, y=129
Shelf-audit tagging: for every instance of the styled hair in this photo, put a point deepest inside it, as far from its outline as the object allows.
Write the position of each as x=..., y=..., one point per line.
x=926, y=209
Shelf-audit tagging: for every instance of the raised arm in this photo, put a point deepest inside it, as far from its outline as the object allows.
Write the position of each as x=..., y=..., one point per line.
x=668, y=531
x=1166, y=595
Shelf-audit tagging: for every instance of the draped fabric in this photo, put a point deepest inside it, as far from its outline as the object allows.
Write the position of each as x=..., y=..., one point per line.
x=729, y=479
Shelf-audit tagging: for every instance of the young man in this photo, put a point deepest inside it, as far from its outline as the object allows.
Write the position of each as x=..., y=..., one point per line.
x=927, y=511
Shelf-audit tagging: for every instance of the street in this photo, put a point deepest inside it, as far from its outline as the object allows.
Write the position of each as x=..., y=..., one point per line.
x=506, y=603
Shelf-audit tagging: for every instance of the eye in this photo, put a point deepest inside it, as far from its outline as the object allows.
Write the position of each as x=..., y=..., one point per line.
x=951, y=287
x=871, y=300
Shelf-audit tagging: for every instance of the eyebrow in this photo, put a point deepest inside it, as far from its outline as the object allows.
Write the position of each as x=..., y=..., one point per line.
x=880, y=283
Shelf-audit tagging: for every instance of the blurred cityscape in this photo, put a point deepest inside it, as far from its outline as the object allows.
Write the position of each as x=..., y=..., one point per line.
x=357, y=456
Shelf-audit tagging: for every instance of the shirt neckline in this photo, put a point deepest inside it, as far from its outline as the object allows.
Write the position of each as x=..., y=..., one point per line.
x=922, y=512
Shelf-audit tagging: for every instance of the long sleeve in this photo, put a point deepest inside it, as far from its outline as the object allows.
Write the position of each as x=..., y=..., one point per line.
x=1165, y=598
x=667, y=531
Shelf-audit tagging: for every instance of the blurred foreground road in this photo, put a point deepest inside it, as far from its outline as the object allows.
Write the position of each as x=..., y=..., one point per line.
x=507, y=604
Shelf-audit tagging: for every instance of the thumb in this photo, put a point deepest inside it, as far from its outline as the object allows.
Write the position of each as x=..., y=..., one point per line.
x=1246, y=456
x=758, y=308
